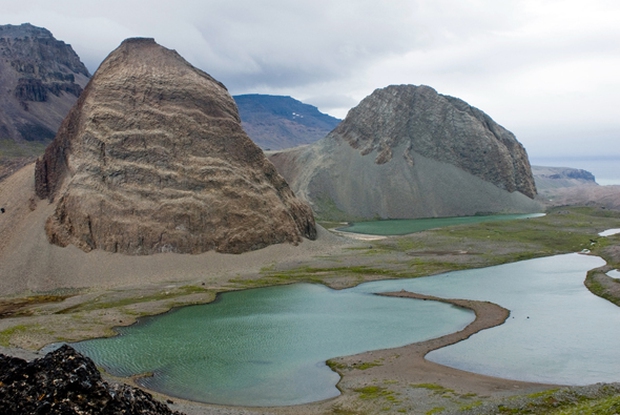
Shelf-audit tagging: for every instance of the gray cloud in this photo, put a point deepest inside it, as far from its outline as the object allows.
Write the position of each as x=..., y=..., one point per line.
x=545, y=70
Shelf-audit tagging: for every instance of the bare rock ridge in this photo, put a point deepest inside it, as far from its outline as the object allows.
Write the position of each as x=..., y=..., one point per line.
x=406, y=151
x=560, y=177
x=43, y=77
x=152, y=158
x=276, y=122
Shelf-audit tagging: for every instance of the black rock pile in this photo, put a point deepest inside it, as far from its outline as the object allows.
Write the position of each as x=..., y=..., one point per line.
x=65, y=382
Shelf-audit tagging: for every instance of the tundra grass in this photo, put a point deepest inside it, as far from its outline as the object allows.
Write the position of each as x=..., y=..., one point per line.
x=454, y=248
x=7, y=335
x=104, y=302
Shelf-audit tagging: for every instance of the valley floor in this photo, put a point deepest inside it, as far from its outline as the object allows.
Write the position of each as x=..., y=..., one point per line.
x=52, y=294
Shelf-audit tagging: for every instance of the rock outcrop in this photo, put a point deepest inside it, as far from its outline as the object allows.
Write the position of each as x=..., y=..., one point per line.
x=41, y=78
x=277, y=122
x=407, y=152
x=65, y=383
x=548, y=178
x=152, y=158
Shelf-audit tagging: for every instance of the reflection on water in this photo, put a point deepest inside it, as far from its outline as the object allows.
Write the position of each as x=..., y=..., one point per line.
x=268, y=346
x=407, y=226
x=557, y=332
x=609, y=232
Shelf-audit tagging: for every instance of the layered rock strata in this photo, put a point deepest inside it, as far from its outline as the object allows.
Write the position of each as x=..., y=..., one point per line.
x=42, y=78
x=152, y=158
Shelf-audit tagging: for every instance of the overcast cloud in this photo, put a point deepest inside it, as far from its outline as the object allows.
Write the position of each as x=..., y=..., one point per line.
x=548, y=70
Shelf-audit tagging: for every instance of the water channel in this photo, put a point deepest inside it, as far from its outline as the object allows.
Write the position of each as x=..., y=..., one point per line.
x=268, y=346
x=387, y=227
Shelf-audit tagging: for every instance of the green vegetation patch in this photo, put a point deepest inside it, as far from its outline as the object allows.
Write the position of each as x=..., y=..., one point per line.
x=374, y=392
x=10, y=148
x=107, y=302
x=603, y=286
x=19, y=330
x=604, y=406
x=600, y=399
x=319, y=275
x=336, y=366
x=19, y=307
x=435, y=388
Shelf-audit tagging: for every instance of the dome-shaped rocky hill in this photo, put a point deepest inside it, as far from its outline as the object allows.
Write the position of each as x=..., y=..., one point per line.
x=408, y=152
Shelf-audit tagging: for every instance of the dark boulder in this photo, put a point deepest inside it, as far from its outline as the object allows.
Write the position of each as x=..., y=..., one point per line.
x=65, y=382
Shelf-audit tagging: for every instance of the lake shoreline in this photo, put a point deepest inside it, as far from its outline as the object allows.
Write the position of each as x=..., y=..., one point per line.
x=406, y=364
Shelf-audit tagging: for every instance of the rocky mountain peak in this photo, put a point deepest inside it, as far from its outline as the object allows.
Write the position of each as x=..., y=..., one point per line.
x=43, y=77
x=152, y=158
x=439, y=127
x=406, y=151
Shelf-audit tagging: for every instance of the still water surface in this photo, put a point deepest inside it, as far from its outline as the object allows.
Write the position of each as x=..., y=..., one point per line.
x=268, y=346
x=558, y=332
x=407, y=226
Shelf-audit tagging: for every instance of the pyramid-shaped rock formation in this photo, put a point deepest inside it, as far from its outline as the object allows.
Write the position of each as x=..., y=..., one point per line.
x=152, y=158
x=408, y=152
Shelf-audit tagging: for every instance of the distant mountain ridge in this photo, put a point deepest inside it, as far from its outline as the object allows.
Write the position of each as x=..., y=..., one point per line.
x=40, y=79
x=407, y=151
x=43, y=77
x=548, y=178
x=276, y=122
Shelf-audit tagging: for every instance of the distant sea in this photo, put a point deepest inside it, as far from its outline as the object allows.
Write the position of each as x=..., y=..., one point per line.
x=606, y=169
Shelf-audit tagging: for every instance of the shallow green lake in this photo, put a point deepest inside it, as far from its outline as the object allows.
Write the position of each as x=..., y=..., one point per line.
x=406, y=226
x=267, y=346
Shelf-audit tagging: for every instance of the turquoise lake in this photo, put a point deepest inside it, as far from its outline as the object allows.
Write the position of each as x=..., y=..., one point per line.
x=406, y=226
x=269, y=346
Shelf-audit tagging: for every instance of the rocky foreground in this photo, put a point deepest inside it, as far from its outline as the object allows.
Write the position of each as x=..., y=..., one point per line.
x=65, y=382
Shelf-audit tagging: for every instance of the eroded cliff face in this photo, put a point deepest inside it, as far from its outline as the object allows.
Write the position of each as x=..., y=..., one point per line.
x=441, y=128
x=408, y=152
x=42, y=78
x=152, y=158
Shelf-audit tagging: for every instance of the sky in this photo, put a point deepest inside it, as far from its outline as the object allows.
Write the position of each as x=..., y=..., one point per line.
x=547, y=70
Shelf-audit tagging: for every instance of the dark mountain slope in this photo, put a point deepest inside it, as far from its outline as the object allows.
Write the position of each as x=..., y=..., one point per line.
x=277, y=122
x=40, y=78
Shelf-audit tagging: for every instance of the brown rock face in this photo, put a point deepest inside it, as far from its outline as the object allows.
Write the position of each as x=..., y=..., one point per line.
x=153, y=158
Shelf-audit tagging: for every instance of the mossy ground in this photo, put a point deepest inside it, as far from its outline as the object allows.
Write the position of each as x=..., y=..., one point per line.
x=72, y=316
x=431, y=252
